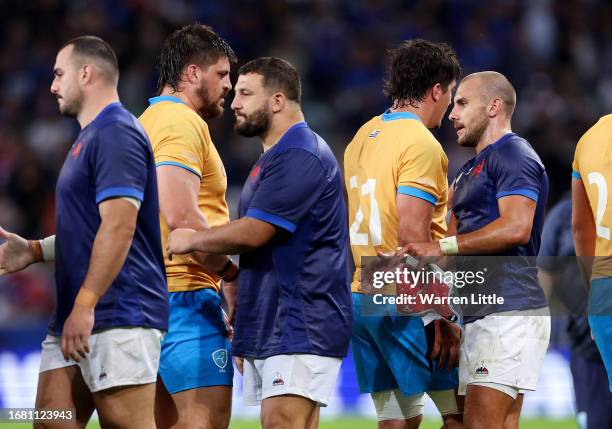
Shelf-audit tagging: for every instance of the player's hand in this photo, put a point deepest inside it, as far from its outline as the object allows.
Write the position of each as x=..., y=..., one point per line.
x=383, y=262
x=179, y=242
x=15, y=253
x=420, y=250
x=447, y=341
x=77, y=330
x=239, y=364
x=228, y=325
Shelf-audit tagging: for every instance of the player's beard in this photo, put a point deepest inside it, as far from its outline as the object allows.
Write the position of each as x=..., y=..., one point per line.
x=255, y=124
x=210, y=107
x=474, y=133
x=72, y=105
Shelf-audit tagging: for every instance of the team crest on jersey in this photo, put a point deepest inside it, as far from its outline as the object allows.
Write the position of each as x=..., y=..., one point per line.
x=255, y=172
x=220, y=359
x=76, y=150
x=481, y=371
x=278, y=380
x=477, y=169
x=373, y=134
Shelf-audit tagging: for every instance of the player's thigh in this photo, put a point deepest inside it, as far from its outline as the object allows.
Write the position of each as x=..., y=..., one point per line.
x=512, y=419
x=166, y=414
x=205, y=407
x=313, y=421
x=450, y=406
x=64, y=388
x=286, y=412
x=395, y=410
x=126, y=407
x=485, y=407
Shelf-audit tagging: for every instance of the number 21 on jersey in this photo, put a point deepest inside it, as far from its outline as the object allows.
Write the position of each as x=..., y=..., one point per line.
x=367, y=193
x=599, y=180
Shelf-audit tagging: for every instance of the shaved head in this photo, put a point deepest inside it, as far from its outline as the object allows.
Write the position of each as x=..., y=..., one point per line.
x=495, y=85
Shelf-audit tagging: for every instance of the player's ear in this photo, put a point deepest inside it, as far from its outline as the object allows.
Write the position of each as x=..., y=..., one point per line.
x=191, y=72
x=496, y=106
x=86, y=73
x=278, y=102
x=436, y=92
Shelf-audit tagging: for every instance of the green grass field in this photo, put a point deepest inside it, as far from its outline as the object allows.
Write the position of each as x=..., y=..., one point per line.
x=353, y=424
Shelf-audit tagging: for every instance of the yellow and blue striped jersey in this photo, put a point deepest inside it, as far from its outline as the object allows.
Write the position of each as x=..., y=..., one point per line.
x=392, y=153
x=593, y=165
x=180, y=137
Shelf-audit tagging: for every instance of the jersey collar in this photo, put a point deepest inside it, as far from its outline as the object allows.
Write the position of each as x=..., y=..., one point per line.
x=160, y=98
x=393, y=116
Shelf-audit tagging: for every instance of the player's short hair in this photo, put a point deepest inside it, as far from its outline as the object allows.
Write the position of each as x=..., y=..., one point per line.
x=191, y=44
x=278, y=75
x=494, y=84
x=95, y=50
x=418, y=65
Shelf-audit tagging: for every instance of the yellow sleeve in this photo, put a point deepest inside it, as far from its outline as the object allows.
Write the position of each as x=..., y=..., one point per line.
x=183, y=143
x=422, y=171
x=575, y=165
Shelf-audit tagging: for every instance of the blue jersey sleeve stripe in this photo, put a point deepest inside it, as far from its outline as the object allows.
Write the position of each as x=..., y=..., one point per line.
x=532, y=195
x=118, y=192
x=178, y=164
x=576, y=175
x=418, y=193
x=270, y=218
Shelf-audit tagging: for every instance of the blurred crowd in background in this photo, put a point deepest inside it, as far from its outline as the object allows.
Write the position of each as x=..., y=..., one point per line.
x=558, y=54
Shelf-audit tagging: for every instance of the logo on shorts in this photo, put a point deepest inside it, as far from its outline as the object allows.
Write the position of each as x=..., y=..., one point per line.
x=220, y=358
x=481, y=371
x=102, y=374
x=278, y=380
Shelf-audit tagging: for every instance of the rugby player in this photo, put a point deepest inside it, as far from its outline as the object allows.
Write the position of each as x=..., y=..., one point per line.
x=103, y=345
x=591, y=223
x=499, y=198
x=396, y=181
x=195, y=368
x=293, y=315
x=591, y=393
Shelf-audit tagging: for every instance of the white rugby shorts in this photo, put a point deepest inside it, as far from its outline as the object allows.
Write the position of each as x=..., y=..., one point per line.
x=117, y=357
x=310, y=376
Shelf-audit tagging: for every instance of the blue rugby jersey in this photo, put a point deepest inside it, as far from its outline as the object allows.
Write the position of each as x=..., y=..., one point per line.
x=294, y=294
x=110, y=158
x=509, y=166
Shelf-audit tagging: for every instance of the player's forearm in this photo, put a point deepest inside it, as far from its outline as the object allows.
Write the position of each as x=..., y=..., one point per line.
x=193, y=219
x=110, y=249
x=584, y=245
x=498, y=236
x=233, y=238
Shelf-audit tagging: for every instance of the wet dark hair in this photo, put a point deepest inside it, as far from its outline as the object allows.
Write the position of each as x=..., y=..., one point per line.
x=416, y=66
x=95, y=49
x=278, y=75
x=195, y=44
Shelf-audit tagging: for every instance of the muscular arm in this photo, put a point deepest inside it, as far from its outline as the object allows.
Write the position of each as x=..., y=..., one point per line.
x=111, y=245
x=583, y=227
x=236, y=237
x=512, y=228
x=414, y=218
x=178, y=203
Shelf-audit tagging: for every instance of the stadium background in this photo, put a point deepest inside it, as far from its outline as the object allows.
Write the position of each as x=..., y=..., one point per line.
x=557, y=53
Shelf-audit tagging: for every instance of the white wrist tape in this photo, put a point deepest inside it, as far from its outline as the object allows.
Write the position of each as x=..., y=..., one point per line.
x=449, y=246
x=48, y=248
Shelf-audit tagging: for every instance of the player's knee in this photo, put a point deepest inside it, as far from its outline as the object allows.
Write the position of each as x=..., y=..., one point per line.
x=452, y=421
